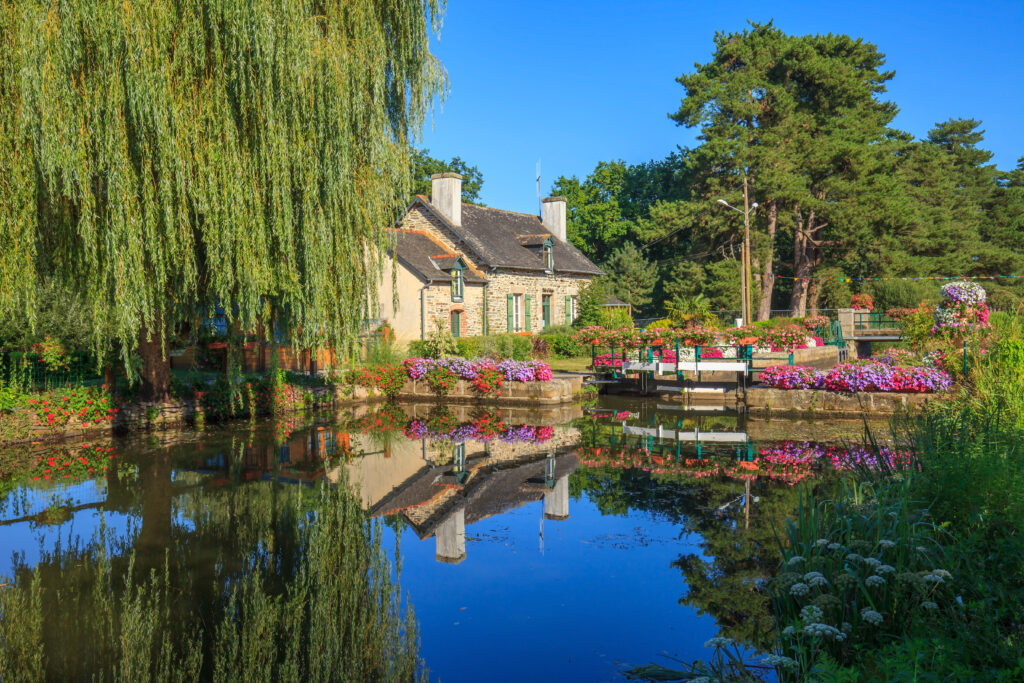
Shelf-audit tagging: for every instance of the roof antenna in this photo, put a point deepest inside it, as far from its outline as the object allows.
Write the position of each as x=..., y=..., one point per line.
x=538, y=188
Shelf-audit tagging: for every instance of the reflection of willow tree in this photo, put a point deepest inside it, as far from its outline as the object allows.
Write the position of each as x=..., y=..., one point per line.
x=263, y=581
x=728, y=581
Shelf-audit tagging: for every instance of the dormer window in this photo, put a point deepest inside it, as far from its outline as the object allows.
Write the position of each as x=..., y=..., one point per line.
x=549, y=257
x=458, y=282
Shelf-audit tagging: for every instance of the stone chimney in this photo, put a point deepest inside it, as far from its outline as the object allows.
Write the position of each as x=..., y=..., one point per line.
x=552, y=215
x=446, y=196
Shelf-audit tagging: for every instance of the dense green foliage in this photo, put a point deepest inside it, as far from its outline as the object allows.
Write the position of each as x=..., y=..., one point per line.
x=161, y=158
x=952, y=605
x=424, y=166
x=841, y=193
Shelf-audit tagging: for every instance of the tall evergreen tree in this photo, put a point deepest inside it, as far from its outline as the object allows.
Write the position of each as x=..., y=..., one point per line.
x=165, y=157
x=631, y=277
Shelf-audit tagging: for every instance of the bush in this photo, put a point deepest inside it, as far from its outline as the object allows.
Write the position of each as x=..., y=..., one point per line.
x=506, y=347
x=540, y=347
x=469, y=347
x=564, y=346
x=901, y=293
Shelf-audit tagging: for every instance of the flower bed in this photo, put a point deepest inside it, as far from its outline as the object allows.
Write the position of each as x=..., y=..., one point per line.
x=856, y=377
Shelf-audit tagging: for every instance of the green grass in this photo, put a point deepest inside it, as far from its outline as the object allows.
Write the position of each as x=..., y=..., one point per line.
x=570, y=364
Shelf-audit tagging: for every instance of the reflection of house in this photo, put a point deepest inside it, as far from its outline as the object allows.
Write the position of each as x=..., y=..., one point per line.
x=478, y=270
x=441, y=500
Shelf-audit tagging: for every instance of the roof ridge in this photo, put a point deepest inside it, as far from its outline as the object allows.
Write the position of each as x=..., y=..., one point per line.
x=494, y=208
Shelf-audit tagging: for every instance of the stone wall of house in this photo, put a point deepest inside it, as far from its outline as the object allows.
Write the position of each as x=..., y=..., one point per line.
x=439, y=306
x=558, y=285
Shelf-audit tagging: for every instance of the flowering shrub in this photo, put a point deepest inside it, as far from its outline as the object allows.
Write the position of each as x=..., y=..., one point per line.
x=863, y=302
x=896, y=357
x=484, y=374
x=962, y=311
x=854, y=377
x=441, y=380
x=813, y=322
x=488, y=380
x=791, y=377
x=86, y=405
x=786, y=338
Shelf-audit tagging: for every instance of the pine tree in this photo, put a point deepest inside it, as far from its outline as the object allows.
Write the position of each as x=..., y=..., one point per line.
x=631, y=276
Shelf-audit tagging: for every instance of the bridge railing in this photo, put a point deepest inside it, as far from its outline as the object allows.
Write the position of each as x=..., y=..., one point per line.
x=866, y=320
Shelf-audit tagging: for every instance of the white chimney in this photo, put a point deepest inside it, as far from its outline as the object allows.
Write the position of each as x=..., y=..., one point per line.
x=552, y=215
x=446, y=196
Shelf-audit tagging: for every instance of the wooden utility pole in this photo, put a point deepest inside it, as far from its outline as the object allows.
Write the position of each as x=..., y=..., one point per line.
x=746, y=252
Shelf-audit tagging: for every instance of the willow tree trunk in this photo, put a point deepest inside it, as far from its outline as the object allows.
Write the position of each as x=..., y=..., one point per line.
x=764, y=309
x=156, y=367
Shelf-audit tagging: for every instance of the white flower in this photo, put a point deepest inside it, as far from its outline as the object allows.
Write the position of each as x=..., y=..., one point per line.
x=700, y=679
x=871, y=616
x=874, y=581
x=816, y=579
x=922, y=549
x=718, y=641
x=846, y=627
x=788, y=632
x=872, y=562
x=819, y=630
x=943, y=573
x=799, y=589
x=854, y=557
x=933, y=578
x=811, y=613
x=885, y=569
x=796, y=559
x=779, y=661
x=928, y=604
x=886, y=544
x=821, y=542
x=834, y=546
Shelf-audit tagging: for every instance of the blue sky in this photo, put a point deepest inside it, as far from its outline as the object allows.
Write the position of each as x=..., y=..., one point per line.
x=574, y=83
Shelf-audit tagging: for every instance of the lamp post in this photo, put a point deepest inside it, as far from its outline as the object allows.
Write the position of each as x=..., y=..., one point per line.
x=747, y=209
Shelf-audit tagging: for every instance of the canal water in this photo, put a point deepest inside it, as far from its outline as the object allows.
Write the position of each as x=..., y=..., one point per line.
x=562, y=544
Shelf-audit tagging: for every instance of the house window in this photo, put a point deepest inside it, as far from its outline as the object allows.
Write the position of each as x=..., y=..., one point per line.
x=549, y=258
x=518, y=313
x=456, y=323
x=573, y=307
x=457, y=284
x=545, y=303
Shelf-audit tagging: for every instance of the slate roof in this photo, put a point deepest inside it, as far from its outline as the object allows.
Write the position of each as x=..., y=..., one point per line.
x=494, y=236
x=428, y=257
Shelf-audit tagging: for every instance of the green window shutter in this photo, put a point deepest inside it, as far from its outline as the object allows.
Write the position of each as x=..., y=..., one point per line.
x=526, y=306
x=568, y=310
x=484, y=324
x=510, y=304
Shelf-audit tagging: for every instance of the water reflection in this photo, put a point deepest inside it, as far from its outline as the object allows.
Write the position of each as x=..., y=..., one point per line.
x=664, y=503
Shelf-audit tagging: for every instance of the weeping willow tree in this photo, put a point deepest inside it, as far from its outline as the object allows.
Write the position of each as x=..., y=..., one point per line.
x=164, y=157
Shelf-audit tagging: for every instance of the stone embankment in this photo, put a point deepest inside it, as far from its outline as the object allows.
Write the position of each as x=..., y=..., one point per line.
x=22, y=426
x=762, y=400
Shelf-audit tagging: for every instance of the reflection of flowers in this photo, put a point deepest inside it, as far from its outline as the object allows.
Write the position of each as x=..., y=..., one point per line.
x=786, y=461
x=485, y=428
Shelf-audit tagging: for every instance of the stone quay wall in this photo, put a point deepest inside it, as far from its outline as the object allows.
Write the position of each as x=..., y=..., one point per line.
x=761, y=400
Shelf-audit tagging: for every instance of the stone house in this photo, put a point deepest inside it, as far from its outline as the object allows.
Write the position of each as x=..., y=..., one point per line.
x=477, y=270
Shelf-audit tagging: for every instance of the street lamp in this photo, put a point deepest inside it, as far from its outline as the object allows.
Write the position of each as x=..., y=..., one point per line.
x=745, y=265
